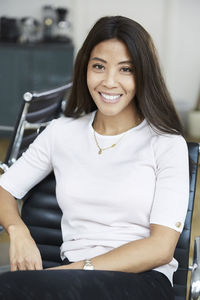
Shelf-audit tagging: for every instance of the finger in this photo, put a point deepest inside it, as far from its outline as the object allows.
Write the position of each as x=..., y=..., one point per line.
x=13, y=267
x=39, y=266
x=25, y=264
x=21, y=266
x=30, y=267
x=29, y=264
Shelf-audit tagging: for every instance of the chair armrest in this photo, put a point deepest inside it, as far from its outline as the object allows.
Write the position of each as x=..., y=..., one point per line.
x=3, y=167
x=195, y=268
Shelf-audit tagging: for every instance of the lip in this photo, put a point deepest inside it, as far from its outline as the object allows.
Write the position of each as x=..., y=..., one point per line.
x=111, y=97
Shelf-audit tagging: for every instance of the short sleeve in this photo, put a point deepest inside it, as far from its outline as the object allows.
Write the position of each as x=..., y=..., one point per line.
x=31, y=167
x=172, y=182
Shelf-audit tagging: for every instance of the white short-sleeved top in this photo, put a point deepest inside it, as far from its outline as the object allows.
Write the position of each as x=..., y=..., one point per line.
x=109, y=199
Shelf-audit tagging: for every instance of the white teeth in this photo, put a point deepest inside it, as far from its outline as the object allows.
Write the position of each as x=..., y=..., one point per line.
x=110, y=97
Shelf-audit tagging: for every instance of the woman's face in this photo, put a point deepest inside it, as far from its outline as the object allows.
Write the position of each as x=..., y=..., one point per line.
x=110, y=77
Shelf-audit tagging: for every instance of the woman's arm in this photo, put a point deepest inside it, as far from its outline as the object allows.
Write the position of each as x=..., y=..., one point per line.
x=25, y=173
x=24, y=254
x=137, y=256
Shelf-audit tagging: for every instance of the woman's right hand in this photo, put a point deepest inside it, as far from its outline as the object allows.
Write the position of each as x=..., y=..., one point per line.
x=24, y=254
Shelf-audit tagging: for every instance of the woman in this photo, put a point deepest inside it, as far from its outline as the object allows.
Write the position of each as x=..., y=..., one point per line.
x=119, y=143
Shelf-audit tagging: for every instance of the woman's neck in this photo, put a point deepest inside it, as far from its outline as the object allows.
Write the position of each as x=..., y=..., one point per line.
x=113, y=125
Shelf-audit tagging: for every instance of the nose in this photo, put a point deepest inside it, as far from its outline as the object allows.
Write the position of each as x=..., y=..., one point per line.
x=110, y=79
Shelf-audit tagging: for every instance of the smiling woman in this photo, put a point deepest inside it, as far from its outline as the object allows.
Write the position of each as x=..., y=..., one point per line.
x=111, y=84
x=121, y=187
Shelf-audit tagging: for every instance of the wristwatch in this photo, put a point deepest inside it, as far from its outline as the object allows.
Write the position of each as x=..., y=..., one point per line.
x=88, y=265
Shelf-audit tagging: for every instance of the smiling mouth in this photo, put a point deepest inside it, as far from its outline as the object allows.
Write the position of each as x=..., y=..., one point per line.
x=110, y=98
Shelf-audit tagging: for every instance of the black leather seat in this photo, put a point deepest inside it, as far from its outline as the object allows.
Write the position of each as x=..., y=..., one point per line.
x=183, y=246
x=43, y=216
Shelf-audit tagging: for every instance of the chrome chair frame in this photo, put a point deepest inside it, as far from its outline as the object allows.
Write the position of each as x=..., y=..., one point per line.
x=195, y=270
x=25, y=125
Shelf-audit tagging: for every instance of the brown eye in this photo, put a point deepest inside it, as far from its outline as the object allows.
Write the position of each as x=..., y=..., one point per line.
x=127, y=70
x=98, y=66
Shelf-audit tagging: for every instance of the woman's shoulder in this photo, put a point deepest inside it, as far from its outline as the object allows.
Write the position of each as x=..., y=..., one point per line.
x=61, y=121
x=166, y=144
x=167, y=140
x=163, y=138
x=67, y=126
x=64, y=121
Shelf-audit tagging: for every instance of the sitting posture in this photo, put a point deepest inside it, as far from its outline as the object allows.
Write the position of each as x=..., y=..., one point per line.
x=122, y=179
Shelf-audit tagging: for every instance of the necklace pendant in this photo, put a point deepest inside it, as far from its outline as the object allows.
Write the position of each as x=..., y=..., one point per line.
x=100, y=151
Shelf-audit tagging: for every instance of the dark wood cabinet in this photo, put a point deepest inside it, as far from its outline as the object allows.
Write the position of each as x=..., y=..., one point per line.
x=30, y=68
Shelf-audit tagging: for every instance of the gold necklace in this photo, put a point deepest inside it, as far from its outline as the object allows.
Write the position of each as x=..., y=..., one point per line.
x=106, y=148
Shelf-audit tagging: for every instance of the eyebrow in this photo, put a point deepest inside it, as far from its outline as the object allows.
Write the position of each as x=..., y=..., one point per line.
x=120, y=63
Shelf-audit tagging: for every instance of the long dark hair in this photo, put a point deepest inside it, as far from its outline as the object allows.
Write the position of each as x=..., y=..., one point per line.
x=152, y=97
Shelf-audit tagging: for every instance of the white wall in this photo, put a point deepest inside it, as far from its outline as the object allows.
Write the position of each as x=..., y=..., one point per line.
x=142, y=11
x=173, y=24
x=182, y=55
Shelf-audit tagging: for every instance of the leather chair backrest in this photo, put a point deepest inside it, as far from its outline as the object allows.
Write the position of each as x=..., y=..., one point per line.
x=183, y=246
x=42, y=215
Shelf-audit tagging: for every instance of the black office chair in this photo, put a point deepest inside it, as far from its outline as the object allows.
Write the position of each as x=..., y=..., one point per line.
x=43, y=217
x=37, y=110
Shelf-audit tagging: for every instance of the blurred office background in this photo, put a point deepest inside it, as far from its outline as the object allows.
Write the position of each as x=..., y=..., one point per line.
x=44, y=59
x=173, y=24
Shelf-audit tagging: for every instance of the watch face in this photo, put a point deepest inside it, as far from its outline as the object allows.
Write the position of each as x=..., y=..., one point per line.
x=88, y=266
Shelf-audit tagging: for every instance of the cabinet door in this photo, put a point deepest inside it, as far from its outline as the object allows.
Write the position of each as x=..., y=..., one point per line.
x=51, y=66
x=30, y=68
x=13, y=70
